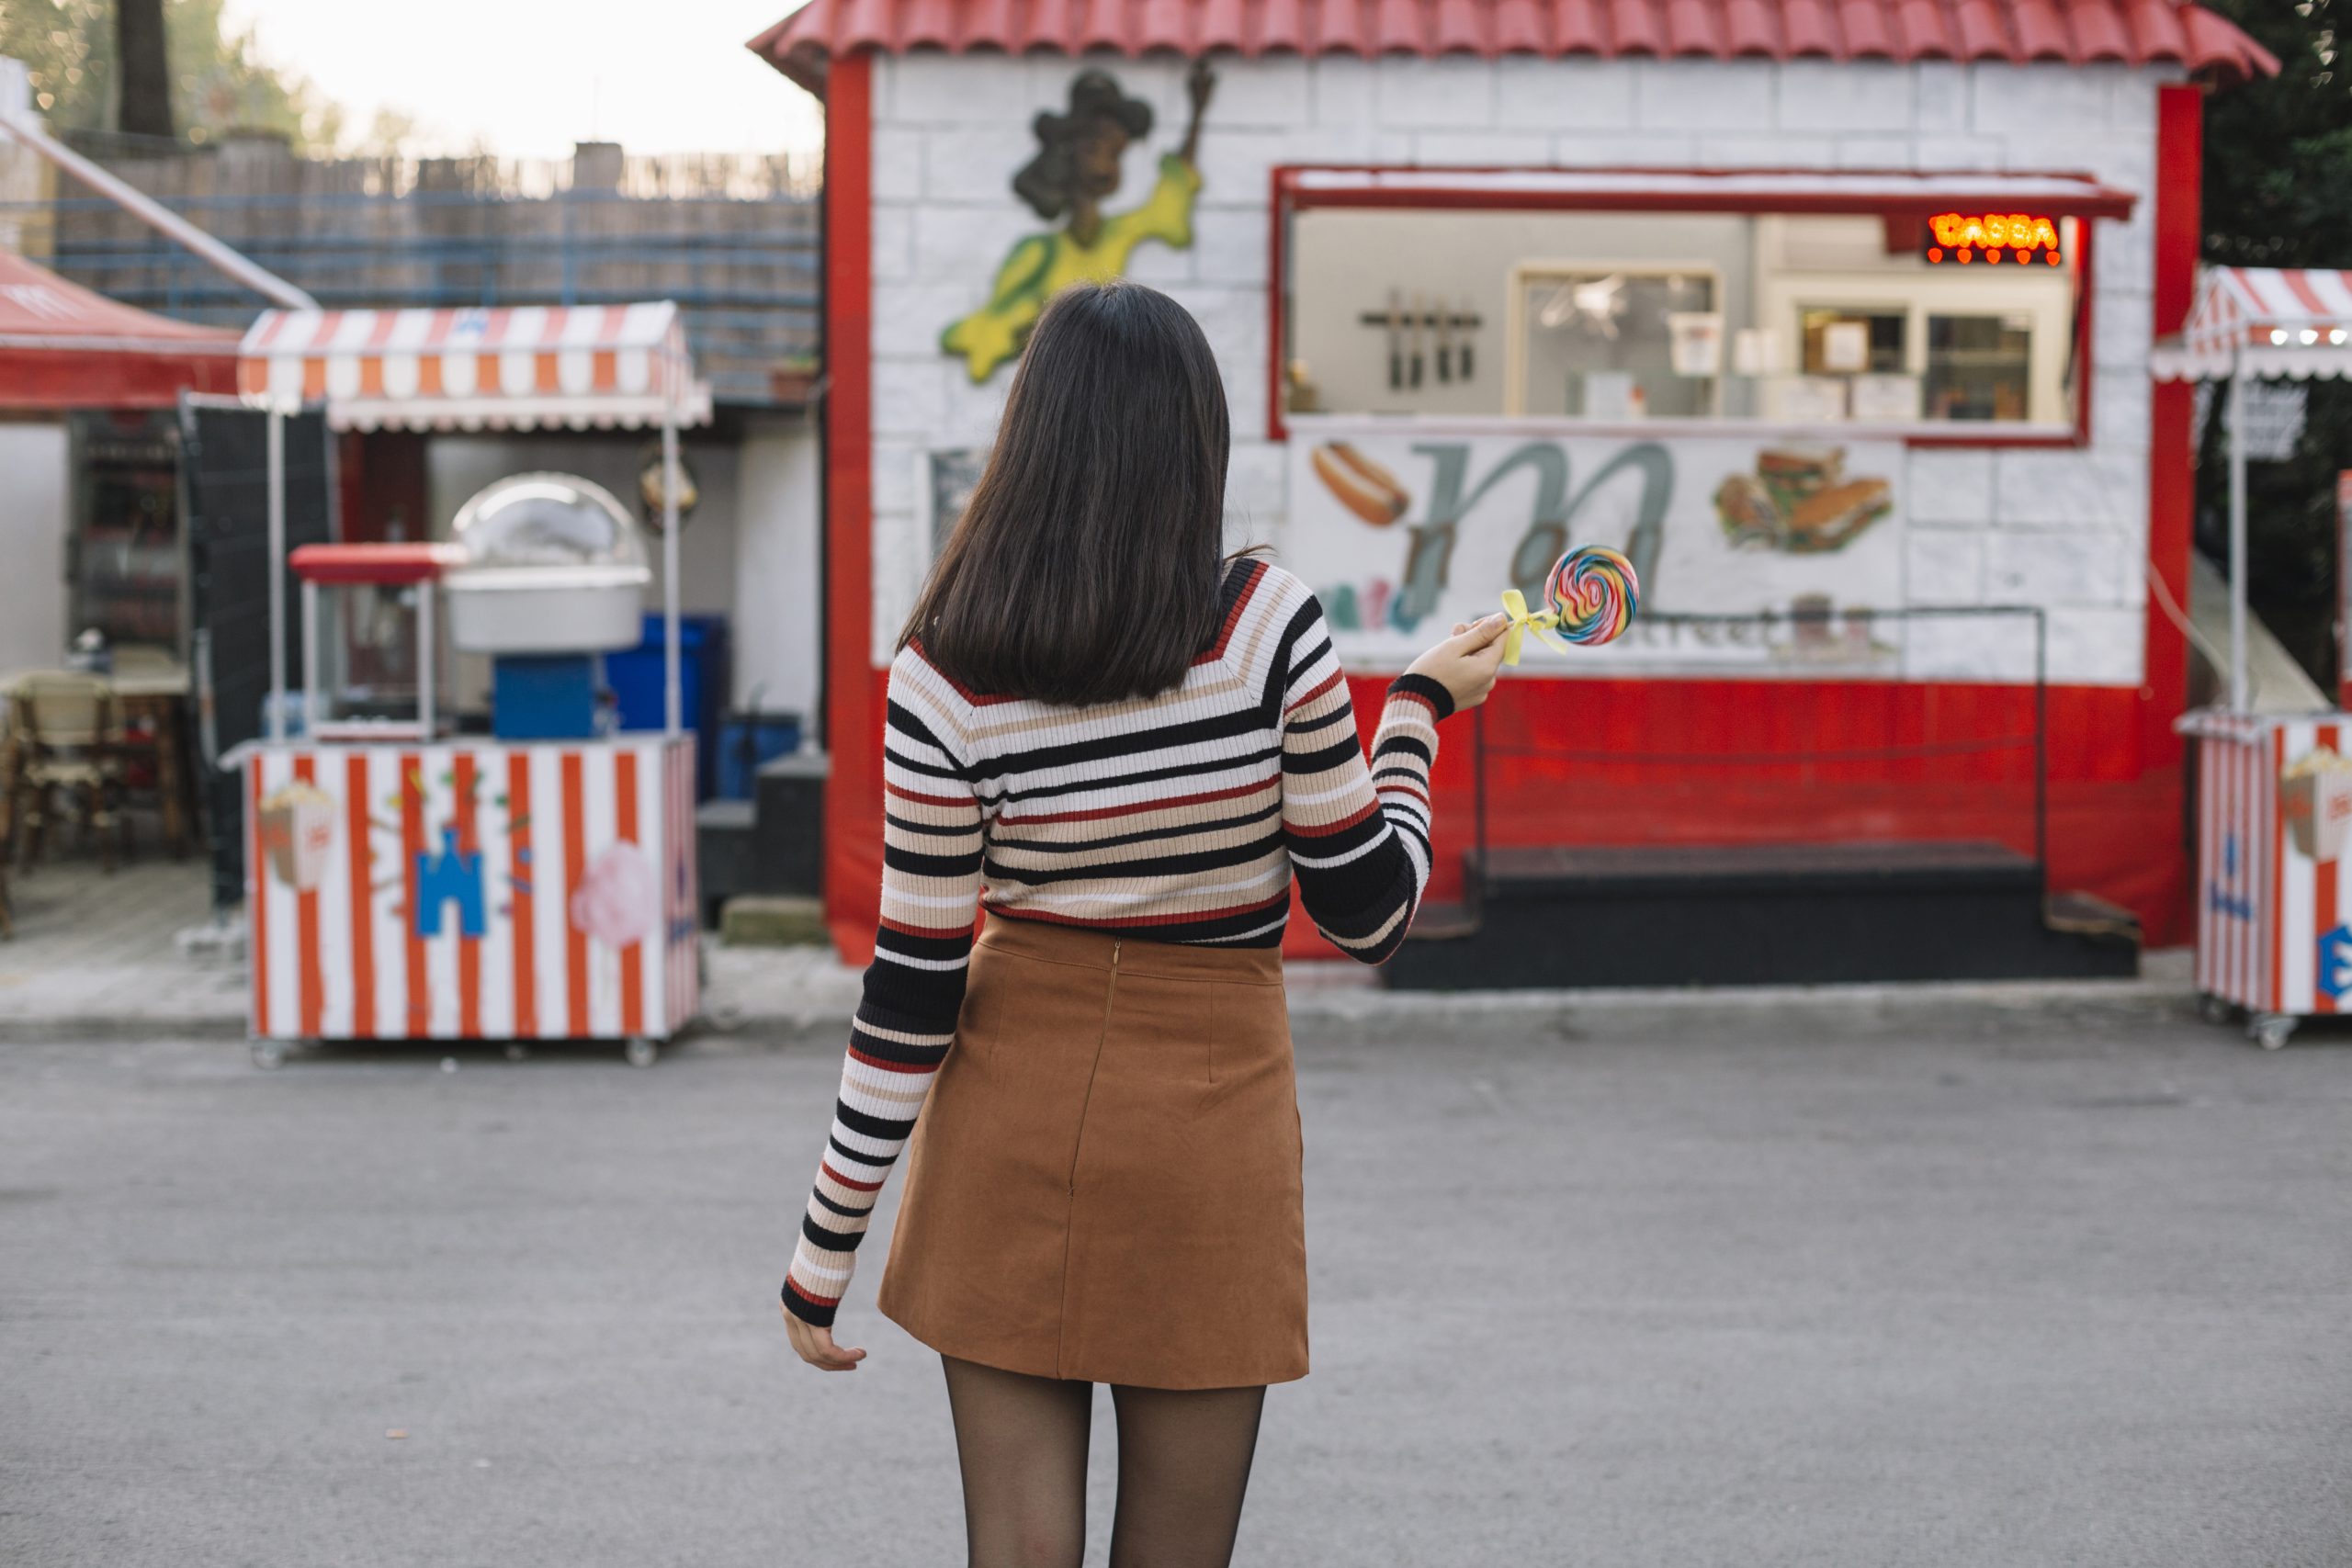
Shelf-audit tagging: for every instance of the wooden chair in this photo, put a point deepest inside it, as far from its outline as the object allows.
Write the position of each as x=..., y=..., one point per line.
x=148, y=738
x=66, y=747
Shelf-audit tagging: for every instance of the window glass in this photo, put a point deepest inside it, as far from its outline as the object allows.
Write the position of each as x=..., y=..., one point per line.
x=1600, y=344
x=1979, y=367
x=1855, y=341
x=1798, y=319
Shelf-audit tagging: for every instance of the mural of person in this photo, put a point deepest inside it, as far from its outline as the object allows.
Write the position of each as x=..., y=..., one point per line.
x=1075, y=171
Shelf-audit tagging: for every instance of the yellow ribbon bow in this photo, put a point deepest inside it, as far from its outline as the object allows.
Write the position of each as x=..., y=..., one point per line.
x=1523, y=621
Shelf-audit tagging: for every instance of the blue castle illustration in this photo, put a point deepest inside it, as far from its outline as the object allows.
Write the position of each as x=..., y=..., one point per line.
x=446, y=875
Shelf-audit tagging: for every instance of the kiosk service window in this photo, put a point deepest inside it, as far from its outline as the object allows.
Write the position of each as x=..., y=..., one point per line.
x=1938, y=324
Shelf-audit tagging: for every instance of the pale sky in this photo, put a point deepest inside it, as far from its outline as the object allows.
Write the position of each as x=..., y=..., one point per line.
x=527, y=78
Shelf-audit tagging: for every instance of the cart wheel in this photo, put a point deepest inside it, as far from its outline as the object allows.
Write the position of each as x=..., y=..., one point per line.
x=2213, y=1009
x=270, y=1055
x=2271, y=1030
x=642, y=1053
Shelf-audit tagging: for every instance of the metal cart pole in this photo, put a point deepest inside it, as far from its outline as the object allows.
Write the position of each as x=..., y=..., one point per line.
x=277, y=567
x=2238, y=683
x=672, y=722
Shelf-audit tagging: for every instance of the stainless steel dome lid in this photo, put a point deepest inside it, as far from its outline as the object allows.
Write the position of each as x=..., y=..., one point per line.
x=542, y=520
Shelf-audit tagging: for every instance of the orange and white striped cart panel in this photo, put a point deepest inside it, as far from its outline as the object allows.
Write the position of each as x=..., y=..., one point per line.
x=472, y=889
x=2274, y=899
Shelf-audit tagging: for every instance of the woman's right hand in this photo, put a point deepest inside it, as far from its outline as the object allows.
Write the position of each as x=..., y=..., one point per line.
x=817, y=1347
x=1466, y=664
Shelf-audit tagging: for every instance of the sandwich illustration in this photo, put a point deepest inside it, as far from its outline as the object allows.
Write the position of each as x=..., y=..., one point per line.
x=1360, y=485
x=1800, y=501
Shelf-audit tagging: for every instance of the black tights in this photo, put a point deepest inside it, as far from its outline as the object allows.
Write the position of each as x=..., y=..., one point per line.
x=1021, y=1440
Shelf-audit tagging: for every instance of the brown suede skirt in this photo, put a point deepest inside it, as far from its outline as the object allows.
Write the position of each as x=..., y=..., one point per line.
x=1105, y=1182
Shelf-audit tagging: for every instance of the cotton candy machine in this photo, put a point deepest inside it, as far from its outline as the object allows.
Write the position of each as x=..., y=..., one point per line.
x=553, y=565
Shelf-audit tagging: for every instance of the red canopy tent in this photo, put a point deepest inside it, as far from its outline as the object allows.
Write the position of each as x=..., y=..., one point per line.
x=62, y=346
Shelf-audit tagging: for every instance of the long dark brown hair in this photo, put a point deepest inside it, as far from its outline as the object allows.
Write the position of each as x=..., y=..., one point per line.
x=1085, y=568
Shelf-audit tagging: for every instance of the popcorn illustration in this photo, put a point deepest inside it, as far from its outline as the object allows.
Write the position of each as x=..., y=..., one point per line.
x=2315, y=798
x=297, y=831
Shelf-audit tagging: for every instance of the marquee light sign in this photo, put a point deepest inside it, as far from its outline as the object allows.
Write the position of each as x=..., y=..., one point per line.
x=1993, y=237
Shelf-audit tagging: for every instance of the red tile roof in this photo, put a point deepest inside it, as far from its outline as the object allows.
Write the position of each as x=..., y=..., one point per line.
x=2074, y=32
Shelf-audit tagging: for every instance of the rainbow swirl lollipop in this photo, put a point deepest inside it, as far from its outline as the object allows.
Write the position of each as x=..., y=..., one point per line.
x=1591, y=596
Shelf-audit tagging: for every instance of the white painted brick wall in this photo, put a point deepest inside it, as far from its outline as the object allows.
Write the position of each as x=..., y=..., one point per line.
x=1482, y=147
x=2088, y=567
x=1750, y=150
x=1824, y=95
x=892, y=236
x=2065, y=528
x=1340, y=91
x=909, y=326
x=1876, y=150
x=1255, y=100
x=2101, y=648
x=2120, y=410
x=1951, y=486
x=907, y=398
x=895, y=463
x=1622, y=150
x=1413, y=93
x=898, y=164
x=962, y=162
x=1562, y=94
x=1944, y=565
x=2043, y=98
x=1677, y=96
x=1940, y=97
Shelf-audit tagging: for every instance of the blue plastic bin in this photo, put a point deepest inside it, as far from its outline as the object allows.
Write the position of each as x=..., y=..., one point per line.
x=748, y=739
x=635, y=676
x=543, y=696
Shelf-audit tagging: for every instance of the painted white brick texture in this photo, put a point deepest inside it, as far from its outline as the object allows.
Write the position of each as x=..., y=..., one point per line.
x=1679, y=96
x=1862, y=94
x=2061, y=527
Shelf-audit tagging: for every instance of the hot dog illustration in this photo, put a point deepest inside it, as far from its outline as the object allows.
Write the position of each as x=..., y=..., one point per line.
x=1360, y=485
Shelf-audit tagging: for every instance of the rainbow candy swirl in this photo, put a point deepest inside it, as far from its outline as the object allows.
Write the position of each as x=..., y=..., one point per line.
x=1594, y=593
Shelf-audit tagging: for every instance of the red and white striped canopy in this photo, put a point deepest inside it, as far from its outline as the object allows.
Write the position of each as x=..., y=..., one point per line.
x=521, y=368
x=2265, y=322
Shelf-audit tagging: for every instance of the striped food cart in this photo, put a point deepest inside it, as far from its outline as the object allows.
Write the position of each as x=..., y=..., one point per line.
x=2274, y=790
x=407, y=884
x=2274, y=897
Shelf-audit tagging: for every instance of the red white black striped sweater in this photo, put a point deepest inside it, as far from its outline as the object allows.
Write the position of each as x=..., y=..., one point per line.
x=1177, y=818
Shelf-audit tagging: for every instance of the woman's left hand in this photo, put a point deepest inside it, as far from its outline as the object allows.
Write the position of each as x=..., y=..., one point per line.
x=1467, y=663
x=816, y=1345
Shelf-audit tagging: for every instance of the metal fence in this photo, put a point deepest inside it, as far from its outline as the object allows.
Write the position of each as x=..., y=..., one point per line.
x=1933, y=724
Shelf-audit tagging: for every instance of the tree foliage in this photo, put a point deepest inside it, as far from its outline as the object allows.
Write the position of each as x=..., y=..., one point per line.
x=2279, y=193
x=219, y=81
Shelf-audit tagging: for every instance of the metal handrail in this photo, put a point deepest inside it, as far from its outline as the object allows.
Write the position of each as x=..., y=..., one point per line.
x=1475, y=886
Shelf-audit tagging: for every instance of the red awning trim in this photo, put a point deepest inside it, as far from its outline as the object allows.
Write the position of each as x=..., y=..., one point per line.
x=62, y=346
x=2073, y=32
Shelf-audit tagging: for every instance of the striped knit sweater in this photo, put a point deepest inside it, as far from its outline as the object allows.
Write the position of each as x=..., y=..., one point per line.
x=1176, y=817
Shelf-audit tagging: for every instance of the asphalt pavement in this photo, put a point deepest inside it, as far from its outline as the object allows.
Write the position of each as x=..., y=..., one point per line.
x=1827, y=1284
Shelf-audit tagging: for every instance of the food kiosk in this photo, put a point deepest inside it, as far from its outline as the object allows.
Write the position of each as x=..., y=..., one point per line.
x=410, y=883
x=2274, y=791
x=1834, y=319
